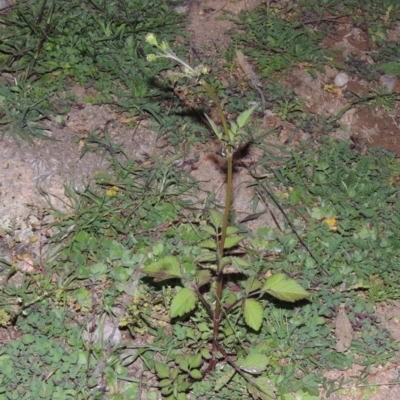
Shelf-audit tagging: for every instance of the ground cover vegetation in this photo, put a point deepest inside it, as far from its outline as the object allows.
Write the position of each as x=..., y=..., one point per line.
x=211, y=310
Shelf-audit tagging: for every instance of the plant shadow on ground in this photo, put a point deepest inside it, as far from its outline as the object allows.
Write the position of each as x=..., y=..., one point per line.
x=338, y=240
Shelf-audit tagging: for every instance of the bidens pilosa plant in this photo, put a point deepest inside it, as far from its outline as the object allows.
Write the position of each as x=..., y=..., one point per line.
x=205, y=286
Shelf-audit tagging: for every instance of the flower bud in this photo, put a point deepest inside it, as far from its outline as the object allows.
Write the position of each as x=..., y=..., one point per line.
x=164, y=46
x=151, y=39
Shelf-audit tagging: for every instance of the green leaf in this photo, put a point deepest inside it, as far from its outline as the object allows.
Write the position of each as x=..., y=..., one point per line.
x=206, y=256
x=240, y=262
x=391, y=68
x=196, y=374
x=195, y=361
x=294, y=197
x=244, y=117
x=254, y=363
x=252, y=284
x=98, y=269
x=183, y=302
x=164, y=383
x=284, y=288
x=205, y=353
x=181, y=396
x=184, y=365
x=28, y=339
x=231, y=230
x=165, y=268
x=203, y=277
x=224, y=378
x=162, y=370
x=216, y=218
x=214, y=127
x=253, y=314
x=264, y=389
x=208, y=244
x=233, y=128
x=208, y=229
x=232, y=241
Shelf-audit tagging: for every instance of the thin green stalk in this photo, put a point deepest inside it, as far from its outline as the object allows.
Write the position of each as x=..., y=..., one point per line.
x=229, y=151
x=220, y=276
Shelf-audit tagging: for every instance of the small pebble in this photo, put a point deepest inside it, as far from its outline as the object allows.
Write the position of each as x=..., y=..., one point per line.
x=341, y=79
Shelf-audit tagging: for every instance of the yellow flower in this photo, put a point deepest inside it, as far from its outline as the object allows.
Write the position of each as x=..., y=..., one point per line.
x=112, y=191
x=332, y=222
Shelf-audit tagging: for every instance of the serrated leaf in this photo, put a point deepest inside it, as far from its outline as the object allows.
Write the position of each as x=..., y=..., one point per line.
x=206, y=256
x=203, y=276
x=230, y=230
x=284, y=288
x=225, y=261
x=253, y=314
x=240, y=262
x=233, y=128
x=391, y=68
x=196, y=374
x=208, y=244
x=195, y=361
x=181, y=396
x=244, y=117
x=162, y=371
x=264, y=390
x=184, y=365
x=208, y=229
x=182, y=387
x=183, y=302
x=165, y=268
x=252, y=284
x=216, y=218
x=232, y=241
x=254, y=363
x=294, y=197
x=164, y=383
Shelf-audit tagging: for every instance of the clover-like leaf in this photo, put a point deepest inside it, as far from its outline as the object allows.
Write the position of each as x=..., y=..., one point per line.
x=253, y=314
x=166, y=268
x=284, y=288
x=183, y=302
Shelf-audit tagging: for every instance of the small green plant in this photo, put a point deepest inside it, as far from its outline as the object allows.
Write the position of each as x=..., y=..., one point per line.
x=203, y=284
x=278, y=43
x=286, y=109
